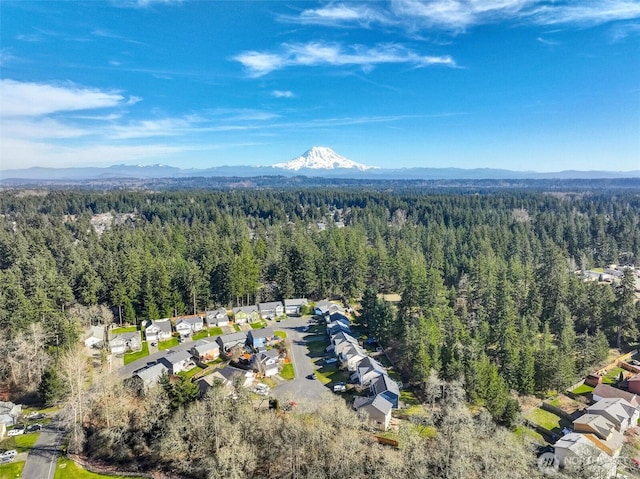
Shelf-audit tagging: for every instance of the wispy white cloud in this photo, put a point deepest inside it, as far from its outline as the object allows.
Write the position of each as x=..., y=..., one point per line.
x=550, y=43
x=144, y=3
x=459, y=15
x=620, y=32
x=319, y=53
x=20, y=99
x=102, y=33
x=282, y=94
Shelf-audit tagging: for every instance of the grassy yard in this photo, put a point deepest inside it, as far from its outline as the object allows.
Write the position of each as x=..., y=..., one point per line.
x=258, y=325
x=545, y=419
x=237, y=328
x=131, y=357
x=316, y=347
x=527, y=434
x=280, y=334
x=612, y=376
x=287, y=372
x=205, y=333
x=191, y=372
x=170, y=343
x=128, y=329
x=67, y=469
x=330, y=373
x=583, y=390
x=12, y=470
x=22, y=443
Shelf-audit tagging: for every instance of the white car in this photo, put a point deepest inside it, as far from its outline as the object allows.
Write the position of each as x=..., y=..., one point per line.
x=10, y=454
x=339, y=387
x=15, y=432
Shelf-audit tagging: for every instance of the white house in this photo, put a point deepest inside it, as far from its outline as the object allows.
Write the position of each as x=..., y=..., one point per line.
x=158, y=330
x=618, y=411
x=377, y=408
x=585, y=453
x=217, y=317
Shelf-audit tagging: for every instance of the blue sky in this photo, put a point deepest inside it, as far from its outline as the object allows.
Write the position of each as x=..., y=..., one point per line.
x=517, y=84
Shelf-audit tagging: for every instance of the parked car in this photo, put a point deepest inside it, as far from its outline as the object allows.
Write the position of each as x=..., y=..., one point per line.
x=154, y=344
x=330, y=361
x=261, y=392
x=339, y=387
x=33, y=428
x=16, y=431
x=8, y=456
x=311, y=376
x=35, y=415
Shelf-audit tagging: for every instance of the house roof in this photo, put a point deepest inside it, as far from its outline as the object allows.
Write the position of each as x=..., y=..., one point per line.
x=634, y=378
x=328, y=307
x=353, y=350
x=191, y=320
x=599, y=424
x=606, y=391
x=163, y=325
x=269, y=306
x=95, y=332
x=344, y=337
x=295, y=302
x=174, y=357
x=578, y=443
x=229, y=372
x=617, y=408
x=384, y=383
x=261, y=333
x=246, y=309
x=150, y=373
x=376, y=402
x=369, y=364
x=339, y=317
x=124, y=337
x=216, y=312
x=233, y=337
x=204, y=345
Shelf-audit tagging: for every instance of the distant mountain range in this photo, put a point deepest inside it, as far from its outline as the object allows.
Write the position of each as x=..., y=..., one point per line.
x=316, y=162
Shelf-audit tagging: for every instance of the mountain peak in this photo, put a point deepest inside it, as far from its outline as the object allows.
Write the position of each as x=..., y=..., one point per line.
x=321, y=158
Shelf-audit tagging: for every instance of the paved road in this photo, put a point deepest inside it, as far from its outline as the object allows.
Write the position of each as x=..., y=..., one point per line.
x=41, y=461
x=308, y=393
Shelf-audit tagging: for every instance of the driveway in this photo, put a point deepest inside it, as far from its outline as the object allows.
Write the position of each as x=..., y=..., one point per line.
x=308, y=393
x=41, y=460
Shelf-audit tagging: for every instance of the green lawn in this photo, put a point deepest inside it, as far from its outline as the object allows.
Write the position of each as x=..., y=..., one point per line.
x=13, y=470
x=215, y=331
x=128, y=329
x=169, y=343
x=545, y=419
x=316, y=347
x=287, y=372
x=67, y=469
x=131, y=357
x=258, y=325
x=191, y=372
x=612, y=376
x=237, y=328
x=330, y=373
x=524, y=432
x=280, y=334
x=22, y=443
x=583, y=390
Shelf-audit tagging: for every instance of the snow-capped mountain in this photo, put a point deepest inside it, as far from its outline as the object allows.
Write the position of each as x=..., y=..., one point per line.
x=321, y=158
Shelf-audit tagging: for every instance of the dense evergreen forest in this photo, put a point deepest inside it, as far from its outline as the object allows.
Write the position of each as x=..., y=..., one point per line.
x=490, y=294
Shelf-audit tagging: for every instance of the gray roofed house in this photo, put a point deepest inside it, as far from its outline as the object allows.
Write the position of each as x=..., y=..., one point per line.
x=368, y=370
x=9, y=413
x=189, y=324
x=176, y=361
x=603, y=391
x=266, y=362
x=325, y=307
x=342, y=341
x=292, y=306
x=377, y=408
x=587, y=453
x=95, y=337
x=151, y=374
x=159, y=330
x=337, y=327
x=257, y=338
x=206, y=349
x=271, y=310
x=229, y=373
x=384, y=386
x=229, y=341
x=618, y=411
x=351, y=356
x=121, y=343
x=595, y=424
x=217, y=317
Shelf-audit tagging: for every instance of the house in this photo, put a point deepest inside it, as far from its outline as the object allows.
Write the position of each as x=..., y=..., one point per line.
x=177, y=361
x=336, y=327
x=351, y=356
x=229, y=374
x=585, y=453
x=151, y=374
x=9, y=413
x=325, y=307
x=386, y=387
x=266, y=363
x=340, y=342
x=293, y=306
x=205, y=350
x=368, y=370
x=229, y=341
x=377, y=408
x=257, y=338
x=121, y=343
x=246, y=314
x=187, y=325
x=621, y=413
x=271, y=310
x=217, y=317
x=158, y=330
x=634, y=384
x=95, y=337
x=603, y=391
